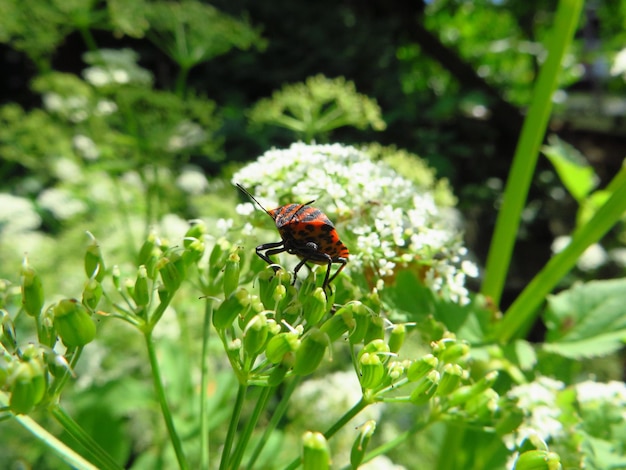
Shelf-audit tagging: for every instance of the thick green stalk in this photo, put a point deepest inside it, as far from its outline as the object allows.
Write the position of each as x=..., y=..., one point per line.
x=341, y=422
x=204, y=384
x=98, y=455
x=278, y=414
x=527, y=151
x=232, y=426
x=244, y=439
x=523, y=311
x=69, y=456
x=165, y=409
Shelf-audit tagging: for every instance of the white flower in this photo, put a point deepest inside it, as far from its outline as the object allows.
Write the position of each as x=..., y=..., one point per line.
x=61, y=203
x=85, y=147
x=592, y=258
x=192, y=180
x=17, y=215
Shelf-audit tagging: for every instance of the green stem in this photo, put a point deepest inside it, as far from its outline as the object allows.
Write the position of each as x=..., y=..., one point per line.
x=165, y=409
x=278, y=414
x=68, y=455
x=57, y=385
x=527, y=151
x=204, y=384
x=341, y=422
x=395, y=442
x=181, y=81
x=523, y=311
x=98, y=455
x=244, y=439
x=232, y=427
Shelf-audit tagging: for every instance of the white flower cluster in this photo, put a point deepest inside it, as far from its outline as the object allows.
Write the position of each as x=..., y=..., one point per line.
x=385, y=220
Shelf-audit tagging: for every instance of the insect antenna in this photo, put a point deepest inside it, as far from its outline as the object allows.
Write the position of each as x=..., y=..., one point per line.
x=247, y=193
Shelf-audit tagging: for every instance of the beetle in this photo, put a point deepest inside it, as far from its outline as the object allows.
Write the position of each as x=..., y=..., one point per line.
x=307, y=233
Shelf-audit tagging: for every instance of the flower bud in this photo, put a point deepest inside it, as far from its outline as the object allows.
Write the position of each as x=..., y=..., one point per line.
x=314, y=306
x=141, y=291
x=92, y=293
x=395, y=369
x=28, y=386
x=419, y=368
x=372, y=371
x=311, y=352
x=538, y=460
x=450, y=379
x=234, y=305
x=32, y=290
x=94, y=263
x=425, y=389
x=315, y=452
x=361, y=442
x=376, y=346
x=281, y=345
x=255, y=334
x=73, y=323
x=396, y=338
x=341, y=322
x=46, y=333
x=231, y=274
x=375, y=329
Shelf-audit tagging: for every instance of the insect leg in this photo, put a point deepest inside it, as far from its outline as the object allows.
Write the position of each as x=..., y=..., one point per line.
x=270, y=249
x=340, y=260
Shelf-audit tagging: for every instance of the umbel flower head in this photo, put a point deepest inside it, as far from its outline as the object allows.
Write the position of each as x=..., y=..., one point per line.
x=388, y=221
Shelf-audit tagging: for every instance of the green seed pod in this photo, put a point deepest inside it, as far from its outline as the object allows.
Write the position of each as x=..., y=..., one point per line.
x=8, y=337
x=366, y=431
x=94, y=263
x=454, y=351
x=340, y=323
x=193, y=251
x=425, y=389
x=267, y=284
x=32, y=290
x=197, y=231
x=372, y=371
x=538, y=460
x=362, y=317
x=28, y=387
x=235, y=304
x=255, y=334
x=6, y=364
x=450, y=379
x=231, y=274
x=311, y=352
x=375, y=346
x=375, y=329
x=141, y=291
x=92, y=293
x=314, y=306
x=116, y=276
x=396, y=338
x=73, y=323
x=281, y=345
x=148, y=250
x=315, y=452
x=277, y=375
x=483, y=406
x=465, y=393
x=419, y=368
x=172, y=272
x=46, y=333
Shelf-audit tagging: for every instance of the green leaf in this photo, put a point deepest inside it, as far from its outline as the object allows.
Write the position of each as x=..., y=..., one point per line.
x=590, y=206
x=587, y=320
x=575, y=173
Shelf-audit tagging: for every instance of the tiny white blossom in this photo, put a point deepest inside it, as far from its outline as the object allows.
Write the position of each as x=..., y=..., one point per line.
x=192, y=180
x=592, y=258
x=61, y=203
x=85, y=147
x=17, y=214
